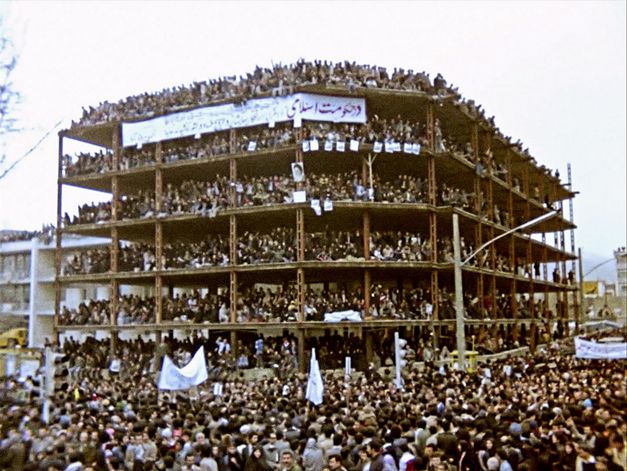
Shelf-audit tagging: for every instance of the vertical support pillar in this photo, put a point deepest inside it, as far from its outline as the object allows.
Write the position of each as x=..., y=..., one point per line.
x=490, y=217
x=159, y=266
x=367, y=285
x=366, y=253
x=300, y=258
x=545, y=274
x=495, y=312
x=232, y=180
x=510, y=195
x=115, y=293
x=433, y=236
x=435, y=302
x=527, y=191
x=474, y=138
x=233, y=294
x=113, y=302
x=233, y=240
x=300, y=293
x=368, y=345
x=300, y=341
x=300, y=235
x=158, y=177
x=232, y=272
x=157, y=353
x=430, y=128
x=115, y=241
x=234, y=344
x=58, y=255
x=433, y=221
x=365, y=172
x=233, y=297
x=513, y=306
x=232, y=141
x=366, y=234
x=158, y=235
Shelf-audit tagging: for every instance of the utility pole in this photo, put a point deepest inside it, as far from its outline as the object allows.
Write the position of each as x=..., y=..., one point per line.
x=581, y=297
x=459, y=296
x=458, y=264
x=47, y=388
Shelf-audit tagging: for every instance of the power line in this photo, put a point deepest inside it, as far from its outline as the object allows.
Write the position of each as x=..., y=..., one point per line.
x=29, y=151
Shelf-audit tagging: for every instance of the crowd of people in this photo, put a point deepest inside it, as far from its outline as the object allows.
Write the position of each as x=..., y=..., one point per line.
x=277, y=80
x=327, y=136
x=279, y=246
x=394, y=135
x=257, y=304
x=46, y=234
x=541, y=411
x=206, y=198
x=283, y=79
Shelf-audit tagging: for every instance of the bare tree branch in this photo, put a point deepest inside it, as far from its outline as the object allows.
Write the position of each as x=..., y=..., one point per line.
x=9, y=97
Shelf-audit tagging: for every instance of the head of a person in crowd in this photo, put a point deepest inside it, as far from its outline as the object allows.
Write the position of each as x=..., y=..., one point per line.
x=429, y=451
x=257, y=452
x=190, y=460
x=374, y=448
x=335, y=462
x=200, y=438
x=287, y=459
x=493, y=463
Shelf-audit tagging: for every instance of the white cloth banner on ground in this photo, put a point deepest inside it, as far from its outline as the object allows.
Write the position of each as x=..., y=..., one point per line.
x=600, y=351
x=339, y=316
x=251, y=113
x=192, y=374
x=315, y=387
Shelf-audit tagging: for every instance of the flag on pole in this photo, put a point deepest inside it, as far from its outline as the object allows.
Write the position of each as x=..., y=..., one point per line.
x=192, y=374
x=315, y=388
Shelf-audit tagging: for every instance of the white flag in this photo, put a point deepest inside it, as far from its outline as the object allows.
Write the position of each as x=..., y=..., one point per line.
x=192, y=374
x=315, y=388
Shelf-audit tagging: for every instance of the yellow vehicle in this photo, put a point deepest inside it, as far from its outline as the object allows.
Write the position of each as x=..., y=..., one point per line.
x=14, y=337
x=471, y=360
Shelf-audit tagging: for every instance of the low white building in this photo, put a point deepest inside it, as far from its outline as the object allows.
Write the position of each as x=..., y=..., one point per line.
x=27, y=293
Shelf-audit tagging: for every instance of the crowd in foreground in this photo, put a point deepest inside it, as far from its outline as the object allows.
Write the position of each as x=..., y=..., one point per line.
x=547, y=411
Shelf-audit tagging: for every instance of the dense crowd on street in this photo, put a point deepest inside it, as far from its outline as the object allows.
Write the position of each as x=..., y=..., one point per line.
x=543, y=411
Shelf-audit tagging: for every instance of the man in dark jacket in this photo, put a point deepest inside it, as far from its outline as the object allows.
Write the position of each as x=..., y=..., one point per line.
x=375, y=452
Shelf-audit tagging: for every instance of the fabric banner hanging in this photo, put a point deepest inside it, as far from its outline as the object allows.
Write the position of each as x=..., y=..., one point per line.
x=251, y=113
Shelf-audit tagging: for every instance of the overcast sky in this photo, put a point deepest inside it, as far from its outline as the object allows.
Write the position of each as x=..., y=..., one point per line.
x=553, y=75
